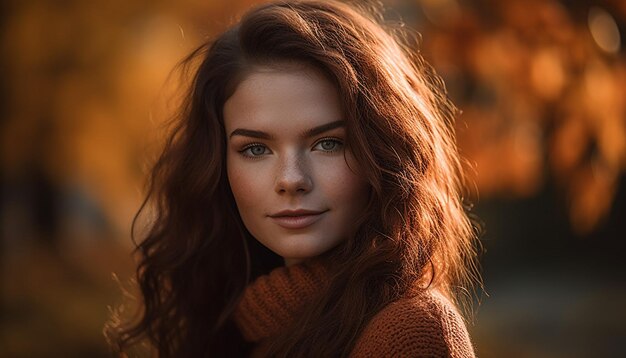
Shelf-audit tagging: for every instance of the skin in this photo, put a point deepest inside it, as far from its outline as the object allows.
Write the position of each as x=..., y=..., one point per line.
x=288, y=170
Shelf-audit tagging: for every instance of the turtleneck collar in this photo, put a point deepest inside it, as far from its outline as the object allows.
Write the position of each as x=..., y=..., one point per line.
x=270, y=302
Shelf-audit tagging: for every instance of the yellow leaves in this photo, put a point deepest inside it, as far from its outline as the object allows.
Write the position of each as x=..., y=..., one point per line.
x=543, y=97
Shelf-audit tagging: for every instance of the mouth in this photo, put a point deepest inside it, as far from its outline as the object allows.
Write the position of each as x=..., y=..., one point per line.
x=296, y=219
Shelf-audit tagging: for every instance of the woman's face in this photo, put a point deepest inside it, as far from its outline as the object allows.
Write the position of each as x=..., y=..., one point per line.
x=293, y=178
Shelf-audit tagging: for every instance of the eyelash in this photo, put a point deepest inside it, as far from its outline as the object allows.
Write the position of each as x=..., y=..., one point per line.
x=251, y=145
x=338, y=141
x=254, y=157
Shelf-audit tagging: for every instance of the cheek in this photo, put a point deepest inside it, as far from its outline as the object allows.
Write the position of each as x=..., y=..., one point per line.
x=356, y=193
x=347, y=190
x=246, y=186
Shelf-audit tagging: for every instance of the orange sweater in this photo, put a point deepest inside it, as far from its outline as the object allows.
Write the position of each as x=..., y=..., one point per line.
x=427, y=325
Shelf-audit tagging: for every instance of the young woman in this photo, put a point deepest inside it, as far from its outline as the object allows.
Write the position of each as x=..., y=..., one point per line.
x=309, y=201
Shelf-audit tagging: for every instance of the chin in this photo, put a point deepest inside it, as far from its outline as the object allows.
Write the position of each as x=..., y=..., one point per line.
x=299, y=246
x=304, y=252
x=300, y=255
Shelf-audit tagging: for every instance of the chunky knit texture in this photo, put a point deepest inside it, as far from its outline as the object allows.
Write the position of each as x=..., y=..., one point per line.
x=425, y=325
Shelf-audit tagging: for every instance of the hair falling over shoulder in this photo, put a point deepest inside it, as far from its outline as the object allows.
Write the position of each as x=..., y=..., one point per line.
x=197, y=257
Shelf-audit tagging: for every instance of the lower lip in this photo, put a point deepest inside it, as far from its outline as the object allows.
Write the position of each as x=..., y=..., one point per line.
x=297, y=222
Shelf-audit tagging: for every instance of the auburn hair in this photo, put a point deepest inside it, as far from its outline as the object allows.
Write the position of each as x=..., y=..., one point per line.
x=197, y=256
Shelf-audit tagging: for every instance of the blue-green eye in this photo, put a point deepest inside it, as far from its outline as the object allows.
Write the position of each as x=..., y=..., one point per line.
x=254, y=150
x=328, y=145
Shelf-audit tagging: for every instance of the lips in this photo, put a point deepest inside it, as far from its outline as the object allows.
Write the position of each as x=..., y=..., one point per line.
x=296, y=219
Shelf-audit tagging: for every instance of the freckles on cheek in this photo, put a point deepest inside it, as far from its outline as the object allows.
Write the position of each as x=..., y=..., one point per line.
x=347, y=172
x=353, y=184
x=245, y=182
x=339, y=183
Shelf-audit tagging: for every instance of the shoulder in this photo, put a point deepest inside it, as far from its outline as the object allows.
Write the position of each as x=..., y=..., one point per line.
x=427, y=325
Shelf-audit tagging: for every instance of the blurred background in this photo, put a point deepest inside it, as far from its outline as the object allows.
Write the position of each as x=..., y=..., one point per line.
x=83, y=99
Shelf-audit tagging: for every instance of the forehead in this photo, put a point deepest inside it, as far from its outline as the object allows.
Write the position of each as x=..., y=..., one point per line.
x=289, y=96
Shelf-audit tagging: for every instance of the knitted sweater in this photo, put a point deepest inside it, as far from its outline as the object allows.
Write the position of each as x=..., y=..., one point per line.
x=426, y=325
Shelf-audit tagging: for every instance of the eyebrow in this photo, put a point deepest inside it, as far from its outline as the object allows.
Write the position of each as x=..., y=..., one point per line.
x=307, y=134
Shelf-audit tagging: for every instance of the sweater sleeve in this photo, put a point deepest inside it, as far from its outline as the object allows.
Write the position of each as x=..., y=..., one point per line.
x=424, y=326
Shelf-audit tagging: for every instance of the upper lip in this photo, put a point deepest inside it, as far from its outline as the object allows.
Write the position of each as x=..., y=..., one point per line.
x=297, y=212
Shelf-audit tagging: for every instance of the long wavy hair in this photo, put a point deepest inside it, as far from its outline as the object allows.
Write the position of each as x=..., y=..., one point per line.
x=197, y=257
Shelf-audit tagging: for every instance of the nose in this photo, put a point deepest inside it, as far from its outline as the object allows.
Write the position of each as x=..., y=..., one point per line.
x=293, y=176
